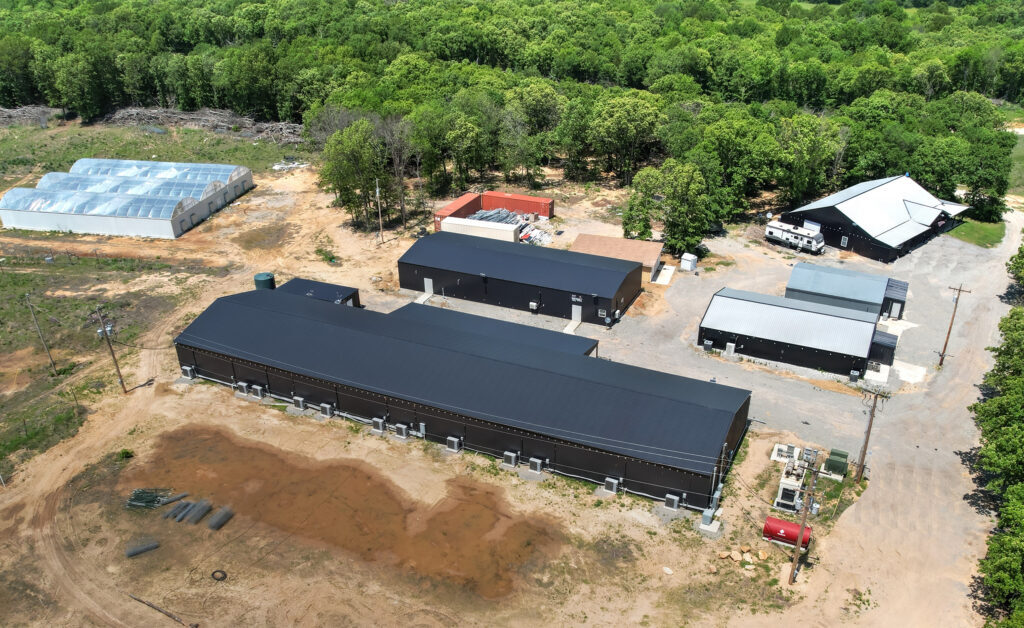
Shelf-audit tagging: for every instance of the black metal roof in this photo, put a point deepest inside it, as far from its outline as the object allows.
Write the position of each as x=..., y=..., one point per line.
x=885, y=339
x=557, y=269
x=627, y=410
x=318, y=290
x=897, y=290
x=495, y=329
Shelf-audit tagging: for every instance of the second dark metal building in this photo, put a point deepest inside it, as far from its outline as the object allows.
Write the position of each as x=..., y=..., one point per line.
x=587, y=288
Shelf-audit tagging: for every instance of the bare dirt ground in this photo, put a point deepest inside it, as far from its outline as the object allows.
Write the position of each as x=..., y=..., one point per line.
x=338, y=527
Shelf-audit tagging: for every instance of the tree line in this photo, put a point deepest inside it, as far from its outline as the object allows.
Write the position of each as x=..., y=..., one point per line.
x=773, y=95
x=1000, y=416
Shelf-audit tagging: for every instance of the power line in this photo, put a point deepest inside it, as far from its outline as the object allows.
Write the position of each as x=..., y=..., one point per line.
x=40, y=331
x=106, y=336
x=956, y=303
x=808, y=503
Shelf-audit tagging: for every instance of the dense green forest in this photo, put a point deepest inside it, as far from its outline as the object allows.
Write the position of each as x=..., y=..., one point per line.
x=774, y=95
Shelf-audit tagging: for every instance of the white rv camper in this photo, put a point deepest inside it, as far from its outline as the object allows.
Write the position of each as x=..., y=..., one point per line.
x=806, y=238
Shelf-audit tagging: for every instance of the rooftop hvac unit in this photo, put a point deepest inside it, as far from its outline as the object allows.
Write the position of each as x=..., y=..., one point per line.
x=708, y=344
x=188, y=372
x=510, y=459
x=534, y=306
x=672, y=502
x=453, y=444
x=299, y=403
x=257, y=391
x=379, y=427
x=242, y=387
x=402, y=430
x=326, y=409
x=611, y=485
x=536, y=465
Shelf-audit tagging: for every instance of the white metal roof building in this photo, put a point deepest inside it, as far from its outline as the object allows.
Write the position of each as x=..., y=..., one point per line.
x=126, y=198
x=882, y=219
x=804, y=333
x=848, y=288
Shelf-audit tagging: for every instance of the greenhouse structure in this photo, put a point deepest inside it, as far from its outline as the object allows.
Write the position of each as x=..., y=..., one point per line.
x=126, y=198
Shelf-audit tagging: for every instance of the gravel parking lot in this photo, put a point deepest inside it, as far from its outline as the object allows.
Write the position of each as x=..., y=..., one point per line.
x=921, y=494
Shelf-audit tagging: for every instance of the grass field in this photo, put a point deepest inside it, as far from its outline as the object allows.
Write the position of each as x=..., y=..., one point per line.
x=983, y=234
x=26, y=153
x=37, y=407
x=1017, y=169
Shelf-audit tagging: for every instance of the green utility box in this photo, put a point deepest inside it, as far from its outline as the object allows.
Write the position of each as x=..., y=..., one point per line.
x=837, y=462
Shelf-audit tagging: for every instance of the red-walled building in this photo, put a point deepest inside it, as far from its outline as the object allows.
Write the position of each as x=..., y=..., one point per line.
x=470, y=203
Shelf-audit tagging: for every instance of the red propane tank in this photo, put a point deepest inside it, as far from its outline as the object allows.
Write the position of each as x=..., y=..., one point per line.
x=785, y=532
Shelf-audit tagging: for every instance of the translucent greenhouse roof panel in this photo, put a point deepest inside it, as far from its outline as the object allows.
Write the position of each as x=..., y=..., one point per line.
x=167, y=188
x=91, y=203
x=158, y=169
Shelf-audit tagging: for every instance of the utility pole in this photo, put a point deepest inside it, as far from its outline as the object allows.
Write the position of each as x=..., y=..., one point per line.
x=40, y=332
x=956, y=303
x=808, y=502
x=106, y=335
x=867, y=435
x=380, y=215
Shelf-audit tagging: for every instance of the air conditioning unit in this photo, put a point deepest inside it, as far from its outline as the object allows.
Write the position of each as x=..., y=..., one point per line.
x=534, y=306
x=188, y=372
x=708, y=344
x=453, y=444
x=379, y=426
x=256, y=391
x=242, y=387
x=510, y=459
x=854, y=376
x=326, y=409
x=611, y=485
x=672, y=502
x=299, y=403
x=536, y=465
x=402, y=430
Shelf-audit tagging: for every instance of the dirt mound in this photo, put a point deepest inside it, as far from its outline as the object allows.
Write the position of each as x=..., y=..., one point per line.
x=469, y=538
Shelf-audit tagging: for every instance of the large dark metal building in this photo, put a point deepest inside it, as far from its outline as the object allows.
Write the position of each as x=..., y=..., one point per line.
x=848, y=288
x=581, y=287
x=881, y=219
x=834, y=339
x=505, y=331
x=655, y=434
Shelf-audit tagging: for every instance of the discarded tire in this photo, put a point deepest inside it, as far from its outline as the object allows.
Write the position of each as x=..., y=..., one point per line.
x=219, y=575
